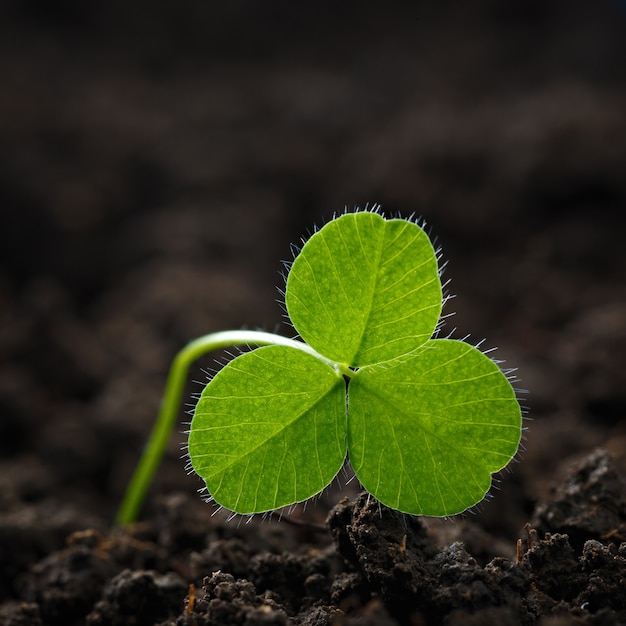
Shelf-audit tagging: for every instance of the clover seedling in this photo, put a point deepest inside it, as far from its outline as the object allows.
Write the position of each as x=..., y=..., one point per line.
x=425, y=422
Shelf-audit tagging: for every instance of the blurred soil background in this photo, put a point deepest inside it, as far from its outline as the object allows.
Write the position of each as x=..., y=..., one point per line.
x=158, y=159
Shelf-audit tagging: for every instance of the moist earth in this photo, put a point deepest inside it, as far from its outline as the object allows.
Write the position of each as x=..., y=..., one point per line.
x=381, y=567
x=159, y=160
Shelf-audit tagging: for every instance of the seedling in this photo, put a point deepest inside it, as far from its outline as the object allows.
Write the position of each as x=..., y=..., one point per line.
x=424, y=421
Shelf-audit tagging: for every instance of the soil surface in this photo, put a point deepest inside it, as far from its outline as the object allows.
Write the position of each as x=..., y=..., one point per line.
x=159, y=159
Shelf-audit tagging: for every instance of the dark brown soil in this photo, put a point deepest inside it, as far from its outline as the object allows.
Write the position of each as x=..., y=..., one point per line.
x=159, y=159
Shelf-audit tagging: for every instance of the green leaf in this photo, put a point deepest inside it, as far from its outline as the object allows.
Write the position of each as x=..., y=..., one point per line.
x=426, y=434
x=364, y=290
x=269, y=429
x=428, y=421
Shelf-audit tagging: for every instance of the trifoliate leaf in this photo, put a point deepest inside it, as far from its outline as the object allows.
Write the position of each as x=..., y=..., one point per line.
x=428, y=422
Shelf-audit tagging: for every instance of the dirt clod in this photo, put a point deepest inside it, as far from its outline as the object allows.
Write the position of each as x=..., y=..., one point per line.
x=591, y=503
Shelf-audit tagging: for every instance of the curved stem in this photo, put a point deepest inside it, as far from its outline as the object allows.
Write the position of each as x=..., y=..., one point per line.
x=172, y=396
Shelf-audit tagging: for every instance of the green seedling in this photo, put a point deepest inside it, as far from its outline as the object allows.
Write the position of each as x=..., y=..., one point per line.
x=424, y=421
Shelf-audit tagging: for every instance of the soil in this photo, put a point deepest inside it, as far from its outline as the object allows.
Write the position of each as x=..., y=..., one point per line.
x=158, y=161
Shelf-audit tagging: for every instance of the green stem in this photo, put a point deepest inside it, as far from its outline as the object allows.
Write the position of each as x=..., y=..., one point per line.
x=172, y=397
